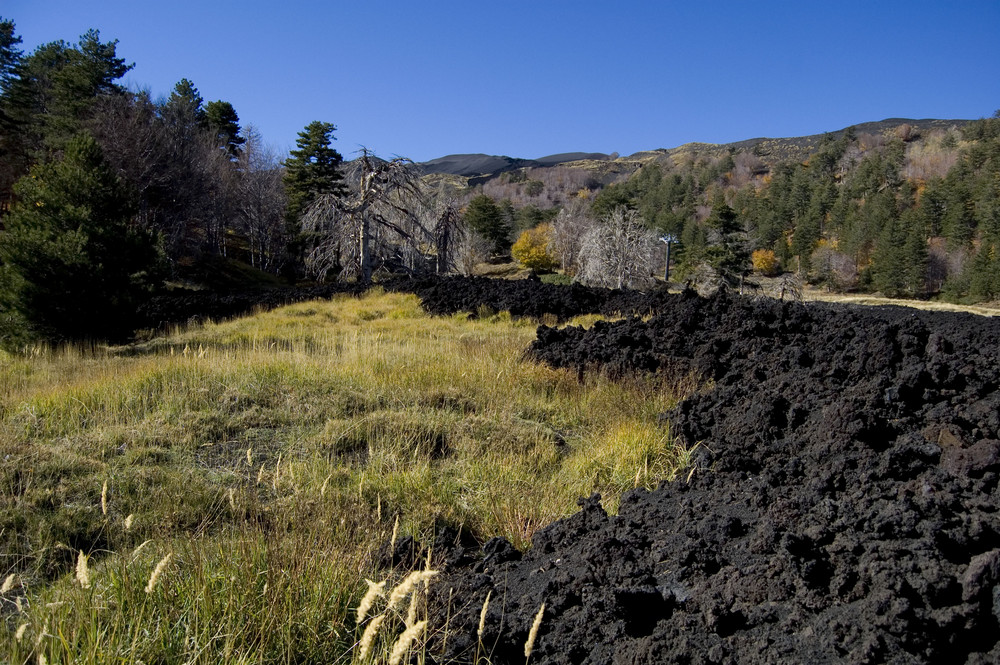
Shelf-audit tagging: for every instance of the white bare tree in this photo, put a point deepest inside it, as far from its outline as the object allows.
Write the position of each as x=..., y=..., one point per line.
x=379, y=220
x=569, y=228
x=618, y=252
x=471, y=250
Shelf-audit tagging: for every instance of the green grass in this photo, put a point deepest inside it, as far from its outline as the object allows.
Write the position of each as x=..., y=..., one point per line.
x=271, y=456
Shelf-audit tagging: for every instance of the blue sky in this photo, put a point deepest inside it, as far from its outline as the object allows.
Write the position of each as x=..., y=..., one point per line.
x=527, y=79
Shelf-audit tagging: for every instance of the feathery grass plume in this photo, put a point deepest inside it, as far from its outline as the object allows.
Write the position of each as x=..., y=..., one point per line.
x=482, y=615
x=411, y=611
x=128, y=522
x=403, y=643
x=232, y=499
x=404, y=588
x=395, y=532
x=82, y=572
x=277, y=473
x=42, y=660
x=529, y=646
x=19, y=635
x=322, y=490
x=374, y=591
x=157, y=572
x=104, y=498
x=368, y=637
x=8, y=583
x=250, y=456
x=17, y=604
x=135, y=552
x=260, y=474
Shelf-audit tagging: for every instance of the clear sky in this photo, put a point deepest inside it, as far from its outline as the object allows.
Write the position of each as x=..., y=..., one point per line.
x=423, y=79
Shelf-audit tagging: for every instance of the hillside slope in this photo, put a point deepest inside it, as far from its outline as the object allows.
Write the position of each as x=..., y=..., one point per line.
x=770, y=150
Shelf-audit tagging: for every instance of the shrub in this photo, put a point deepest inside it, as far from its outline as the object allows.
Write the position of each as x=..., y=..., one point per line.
x=764, y=262
x=532, y=249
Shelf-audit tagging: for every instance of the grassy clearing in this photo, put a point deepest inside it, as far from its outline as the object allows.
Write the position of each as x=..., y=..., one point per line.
x=269, y=457
x=931, y=305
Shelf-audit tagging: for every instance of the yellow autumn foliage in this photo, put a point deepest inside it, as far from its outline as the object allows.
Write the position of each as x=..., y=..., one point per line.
x=532, y=249
x=764, y=262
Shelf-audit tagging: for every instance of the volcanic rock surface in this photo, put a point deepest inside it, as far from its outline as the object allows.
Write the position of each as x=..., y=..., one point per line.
x=843, y=506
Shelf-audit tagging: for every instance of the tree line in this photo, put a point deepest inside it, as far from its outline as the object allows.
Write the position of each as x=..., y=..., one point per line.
x=106, y=193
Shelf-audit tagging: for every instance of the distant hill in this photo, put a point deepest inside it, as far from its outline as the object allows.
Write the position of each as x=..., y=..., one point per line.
x=798, y=148
x=483, y=165
x=770, y=150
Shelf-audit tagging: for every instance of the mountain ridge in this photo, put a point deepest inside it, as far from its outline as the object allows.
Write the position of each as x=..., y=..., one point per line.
x=481, y=165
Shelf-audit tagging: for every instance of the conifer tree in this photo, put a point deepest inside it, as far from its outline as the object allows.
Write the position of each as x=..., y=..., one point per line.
x=313, y=169
x=73, y=265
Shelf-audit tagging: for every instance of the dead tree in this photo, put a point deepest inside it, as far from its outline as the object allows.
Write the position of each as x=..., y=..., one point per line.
x=448, y=234
x=617, y=252
x=379, y=217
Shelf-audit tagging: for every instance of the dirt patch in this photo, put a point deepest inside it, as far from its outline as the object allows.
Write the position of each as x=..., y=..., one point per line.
x=843, y=507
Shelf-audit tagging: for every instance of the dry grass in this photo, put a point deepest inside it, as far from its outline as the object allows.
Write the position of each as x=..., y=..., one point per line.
x=262, y=461
x=819, y=295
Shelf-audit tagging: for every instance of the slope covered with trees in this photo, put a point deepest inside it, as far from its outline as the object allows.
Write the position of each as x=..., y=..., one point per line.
x=902, y=212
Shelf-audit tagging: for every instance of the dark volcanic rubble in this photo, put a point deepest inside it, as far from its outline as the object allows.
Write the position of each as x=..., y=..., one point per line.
x=843, y=506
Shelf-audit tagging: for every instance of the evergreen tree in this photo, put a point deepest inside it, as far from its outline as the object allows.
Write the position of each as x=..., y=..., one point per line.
x=313, y=169
x=49, y=96
x=10, y=55
x=222, y=121
x=73, y=265
x=57, y=86
x=488, y=220
x=12, y=153
x=727, y=251
x=184, y=110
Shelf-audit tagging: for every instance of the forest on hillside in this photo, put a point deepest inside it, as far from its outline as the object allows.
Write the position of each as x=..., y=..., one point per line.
x=902, y=212
x=109, y=195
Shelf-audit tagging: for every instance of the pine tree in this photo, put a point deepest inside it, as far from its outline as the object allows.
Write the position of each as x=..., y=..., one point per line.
x=222, y=120
x=73, y=265
x=313, y=169
x=488, y=220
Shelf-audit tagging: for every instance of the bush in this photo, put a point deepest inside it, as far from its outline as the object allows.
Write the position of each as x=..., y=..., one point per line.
x=764, y=262
x=532, y=249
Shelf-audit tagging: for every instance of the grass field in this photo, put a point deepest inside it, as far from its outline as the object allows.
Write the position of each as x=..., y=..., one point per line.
x=218, y=495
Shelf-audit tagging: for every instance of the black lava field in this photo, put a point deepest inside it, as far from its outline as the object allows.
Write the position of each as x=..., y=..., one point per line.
x=842, y=508
x=843, y=505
